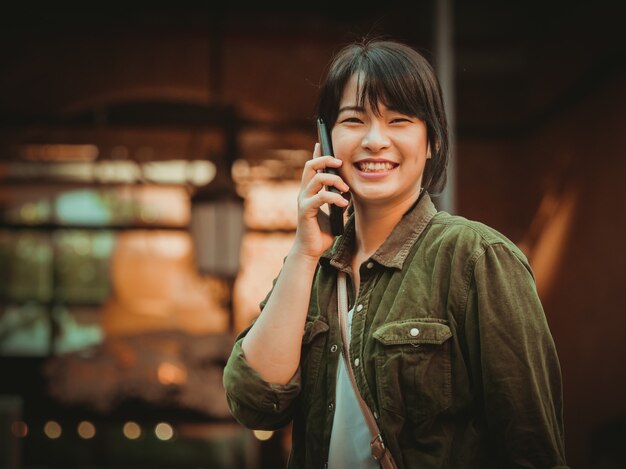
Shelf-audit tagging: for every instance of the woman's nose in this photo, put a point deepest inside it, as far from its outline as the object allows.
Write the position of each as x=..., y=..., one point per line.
x=375, y=138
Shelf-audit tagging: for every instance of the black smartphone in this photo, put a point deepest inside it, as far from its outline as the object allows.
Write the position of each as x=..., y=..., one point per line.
x=336, y=212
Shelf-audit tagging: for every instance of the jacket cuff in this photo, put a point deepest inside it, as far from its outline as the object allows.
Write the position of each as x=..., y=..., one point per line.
x=244, y=385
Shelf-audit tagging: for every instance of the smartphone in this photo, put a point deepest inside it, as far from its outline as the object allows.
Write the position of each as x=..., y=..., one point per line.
x=336, y=212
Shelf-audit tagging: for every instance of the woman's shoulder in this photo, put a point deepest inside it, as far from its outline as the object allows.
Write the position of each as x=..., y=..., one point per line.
x=468, y=235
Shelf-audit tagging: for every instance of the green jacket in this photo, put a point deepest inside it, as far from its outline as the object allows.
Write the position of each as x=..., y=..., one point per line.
x=455, y=356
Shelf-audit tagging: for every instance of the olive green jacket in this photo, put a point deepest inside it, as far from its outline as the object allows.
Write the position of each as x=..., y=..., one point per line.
x=455, y=357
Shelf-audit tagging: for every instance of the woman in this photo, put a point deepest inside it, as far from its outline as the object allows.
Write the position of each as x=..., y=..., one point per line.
x=449, y=345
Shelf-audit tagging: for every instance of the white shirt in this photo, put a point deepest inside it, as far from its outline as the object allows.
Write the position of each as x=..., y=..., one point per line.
x=350, y=438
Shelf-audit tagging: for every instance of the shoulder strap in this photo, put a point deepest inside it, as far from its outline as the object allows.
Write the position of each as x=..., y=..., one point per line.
x=377, y=446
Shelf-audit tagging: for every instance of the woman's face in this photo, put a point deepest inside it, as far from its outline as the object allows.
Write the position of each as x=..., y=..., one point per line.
x=383, y=155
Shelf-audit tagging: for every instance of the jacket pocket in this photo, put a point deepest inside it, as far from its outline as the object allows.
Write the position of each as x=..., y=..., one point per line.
x=313, y=341
x=413, y=367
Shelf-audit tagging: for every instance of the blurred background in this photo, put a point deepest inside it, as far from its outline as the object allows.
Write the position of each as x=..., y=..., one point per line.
x=149, y=164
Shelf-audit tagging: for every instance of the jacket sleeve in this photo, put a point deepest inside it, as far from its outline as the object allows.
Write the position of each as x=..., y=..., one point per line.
x=255, y=403
x=514, y=360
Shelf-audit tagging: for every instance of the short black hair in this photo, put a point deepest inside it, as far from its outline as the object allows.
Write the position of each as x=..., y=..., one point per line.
x=401, y=78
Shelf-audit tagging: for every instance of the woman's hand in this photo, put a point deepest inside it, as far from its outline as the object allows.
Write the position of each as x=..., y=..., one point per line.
x=311, y=239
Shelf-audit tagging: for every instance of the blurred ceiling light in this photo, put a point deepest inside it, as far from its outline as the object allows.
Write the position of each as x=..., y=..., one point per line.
x=52, y=430
x=110, y=171
x=58, y=152
x=86, y=430
x=177, y=172
x=169, y=373
x=263, y=435
x=198, y=173
x=169, y=172
x=164, y=431
x=131, y=430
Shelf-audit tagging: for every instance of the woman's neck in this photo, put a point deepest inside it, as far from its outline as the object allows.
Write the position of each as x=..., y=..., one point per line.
x=374, y=223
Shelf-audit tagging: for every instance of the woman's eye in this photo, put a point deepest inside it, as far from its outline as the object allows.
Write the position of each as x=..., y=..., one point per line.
x=400, y=119
x=352, y=120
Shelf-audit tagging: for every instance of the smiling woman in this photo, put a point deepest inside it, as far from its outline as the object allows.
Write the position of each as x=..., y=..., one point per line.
x=447, y=356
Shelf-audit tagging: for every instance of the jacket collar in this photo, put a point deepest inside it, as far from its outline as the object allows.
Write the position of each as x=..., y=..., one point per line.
x=393, y=252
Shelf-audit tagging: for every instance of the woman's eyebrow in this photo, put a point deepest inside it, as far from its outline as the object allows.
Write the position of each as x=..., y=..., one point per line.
x=351, y=108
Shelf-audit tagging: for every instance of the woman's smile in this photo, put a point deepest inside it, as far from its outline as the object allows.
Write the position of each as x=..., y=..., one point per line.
x=375, y=168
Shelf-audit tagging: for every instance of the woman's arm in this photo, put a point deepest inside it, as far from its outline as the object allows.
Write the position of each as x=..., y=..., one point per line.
x=514, y=354
x=272, y=346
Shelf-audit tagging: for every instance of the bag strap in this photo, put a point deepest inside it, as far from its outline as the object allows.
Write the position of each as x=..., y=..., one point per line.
x=377, y=446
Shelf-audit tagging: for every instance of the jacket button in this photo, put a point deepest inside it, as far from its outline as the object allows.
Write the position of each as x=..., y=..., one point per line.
x=359, y=308
x=414, y=332
x=331, y=406
x=356, y=362
x=333, y=348
x=370, y=265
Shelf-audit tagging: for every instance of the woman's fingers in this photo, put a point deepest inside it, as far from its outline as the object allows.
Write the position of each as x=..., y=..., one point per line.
x=318, y=164
x=314, y=194
x=315, y=201
x=317, y=150
x=319, y=180
x=315, y=179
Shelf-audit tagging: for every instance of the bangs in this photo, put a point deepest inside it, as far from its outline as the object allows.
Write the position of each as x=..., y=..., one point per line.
x=383, y=77
x=377, y=84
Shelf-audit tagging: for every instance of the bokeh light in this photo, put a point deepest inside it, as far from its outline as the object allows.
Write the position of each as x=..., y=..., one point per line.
x=263, y=435
x=86, y=430
x=131, y=430
x=52, y=430
x=164, y=431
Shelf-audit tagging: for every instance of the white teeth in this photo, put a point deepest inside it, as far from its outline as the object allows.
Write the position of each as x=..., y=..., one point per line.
x=372, y=166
